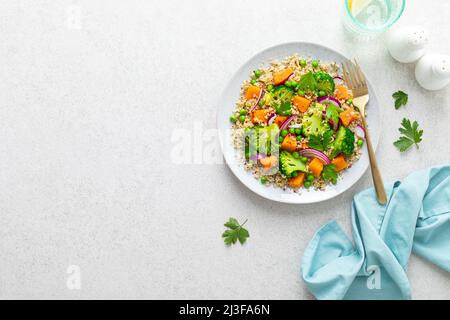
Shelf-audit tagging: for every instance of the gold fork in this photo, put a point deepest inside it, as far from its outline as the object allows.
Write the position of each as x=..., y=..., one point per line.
x=355, y=80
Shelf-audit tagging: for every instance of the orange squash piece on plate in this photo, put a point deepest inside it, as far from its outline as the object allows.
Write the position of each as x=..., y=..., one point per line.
x=301, y=103
x=342, y=93
x=280, y=77
x=297, y=181
x=348, y=116
x=260, y=116
x=340, y=163
x=269, y=162
x=316, y=167
x=279, y=120
x=252, y=92
x=289, y=143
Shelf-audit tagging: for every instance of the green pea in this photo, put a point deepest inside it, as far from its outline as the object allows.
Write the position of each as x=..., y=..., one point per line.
x=233, y=119
x=284, y=133
x=280, y=139
x=294, y=174
x=307, y=184
x=304, y=159
x=298, y=131
x=257, y=73
x=269, y=87
x=260, y=103
x=291, y=130
x=321, y=93
x=303, y=62
x=294, y=84
x=288, y=84
x=264, y=179
x=242, y=112
x=315, y=63
x=310, y=178
x=360, y=142
x=253, y=81
x=349, y=101
x=299, y=137
x=242, y=118
x=301, y=93
x=295, y=154
x=288, y=113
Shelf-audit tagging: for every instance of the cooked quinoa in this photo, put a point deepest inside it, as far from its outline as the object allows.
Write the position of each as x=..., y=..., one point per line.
x=297, y=136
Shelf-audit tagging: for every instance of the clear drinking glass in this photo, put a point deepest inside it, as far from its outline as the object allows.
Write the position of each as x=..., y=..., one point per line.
x=369, y=18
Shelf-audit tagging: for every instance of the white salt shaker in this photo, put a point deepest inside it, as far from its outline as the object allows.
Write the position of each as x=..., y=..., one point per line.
x=433, y=71
x=407, y=44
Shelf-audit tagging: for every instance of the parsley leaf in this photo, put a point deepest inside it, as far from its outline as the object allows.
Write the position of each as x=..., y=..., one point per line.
x=284, y=108
x=401, y=99
x=232, y=224
x=321, y=142
x=307, y=82
x=410, y=135
x=333, y=112
x=329, y=173
x=403, y=144
x=235, y=232
x=315, y=142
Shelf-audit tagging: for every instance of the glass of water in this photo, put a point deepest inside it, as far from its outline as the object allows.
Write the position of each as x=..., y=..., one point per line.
x=369, y=18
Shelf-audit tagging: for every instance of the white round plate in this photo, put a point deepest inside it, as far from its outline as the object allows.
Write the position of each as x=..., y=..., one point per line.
x=227, y=104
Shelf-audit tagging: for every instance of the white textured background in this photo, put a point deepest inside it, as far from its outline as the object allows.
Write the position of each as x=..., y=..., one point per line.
x=86, y=117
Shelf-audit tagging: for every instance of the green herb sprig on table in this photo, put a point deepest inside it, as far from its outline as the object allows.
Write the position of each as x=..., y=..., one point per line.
x=401, y=99
x=235, y=232
x=410, y=135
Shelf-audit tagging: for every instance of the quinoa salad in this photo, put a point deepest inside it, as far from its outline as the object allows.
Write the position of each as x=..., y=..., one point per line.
x=295, y=125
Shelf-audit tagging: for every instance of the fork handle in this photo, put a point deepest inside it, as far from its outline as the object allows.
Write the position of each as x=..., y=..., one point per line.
x=376, y=176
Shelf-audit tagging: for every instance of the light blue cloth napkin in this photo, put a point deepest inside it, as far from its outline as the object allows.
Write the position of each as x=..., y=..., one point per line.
x=417, y=218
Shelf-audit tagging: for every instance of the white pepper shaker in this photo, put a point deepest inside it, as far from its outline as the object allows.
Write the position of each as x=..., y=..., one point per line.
x=433, y=71
x=407, y=44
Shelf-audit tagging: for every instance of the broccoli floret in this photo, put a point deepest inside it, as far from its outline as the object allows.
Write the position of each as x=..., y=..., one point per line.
x=344, y=143
x=280, y=96
x=312, y=123
x=324, y=82
x=289, y=164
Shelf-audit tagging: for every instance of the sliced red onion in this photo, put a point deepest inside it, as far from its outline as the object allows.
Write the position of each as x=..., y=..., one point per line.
x=286, y=122
x=257, y=157
x=338, y=80
x=329, y=99
x=316, y=154
x=261, y=94
x=360, y=131
x=271, y=119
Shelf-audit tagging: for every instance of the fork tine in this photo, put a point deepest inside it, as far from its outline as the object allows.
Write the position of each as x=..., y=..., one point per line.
x=353, y=81
x=346, y=74
x=352, y=69
x=358, y=74
x=361, y=76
